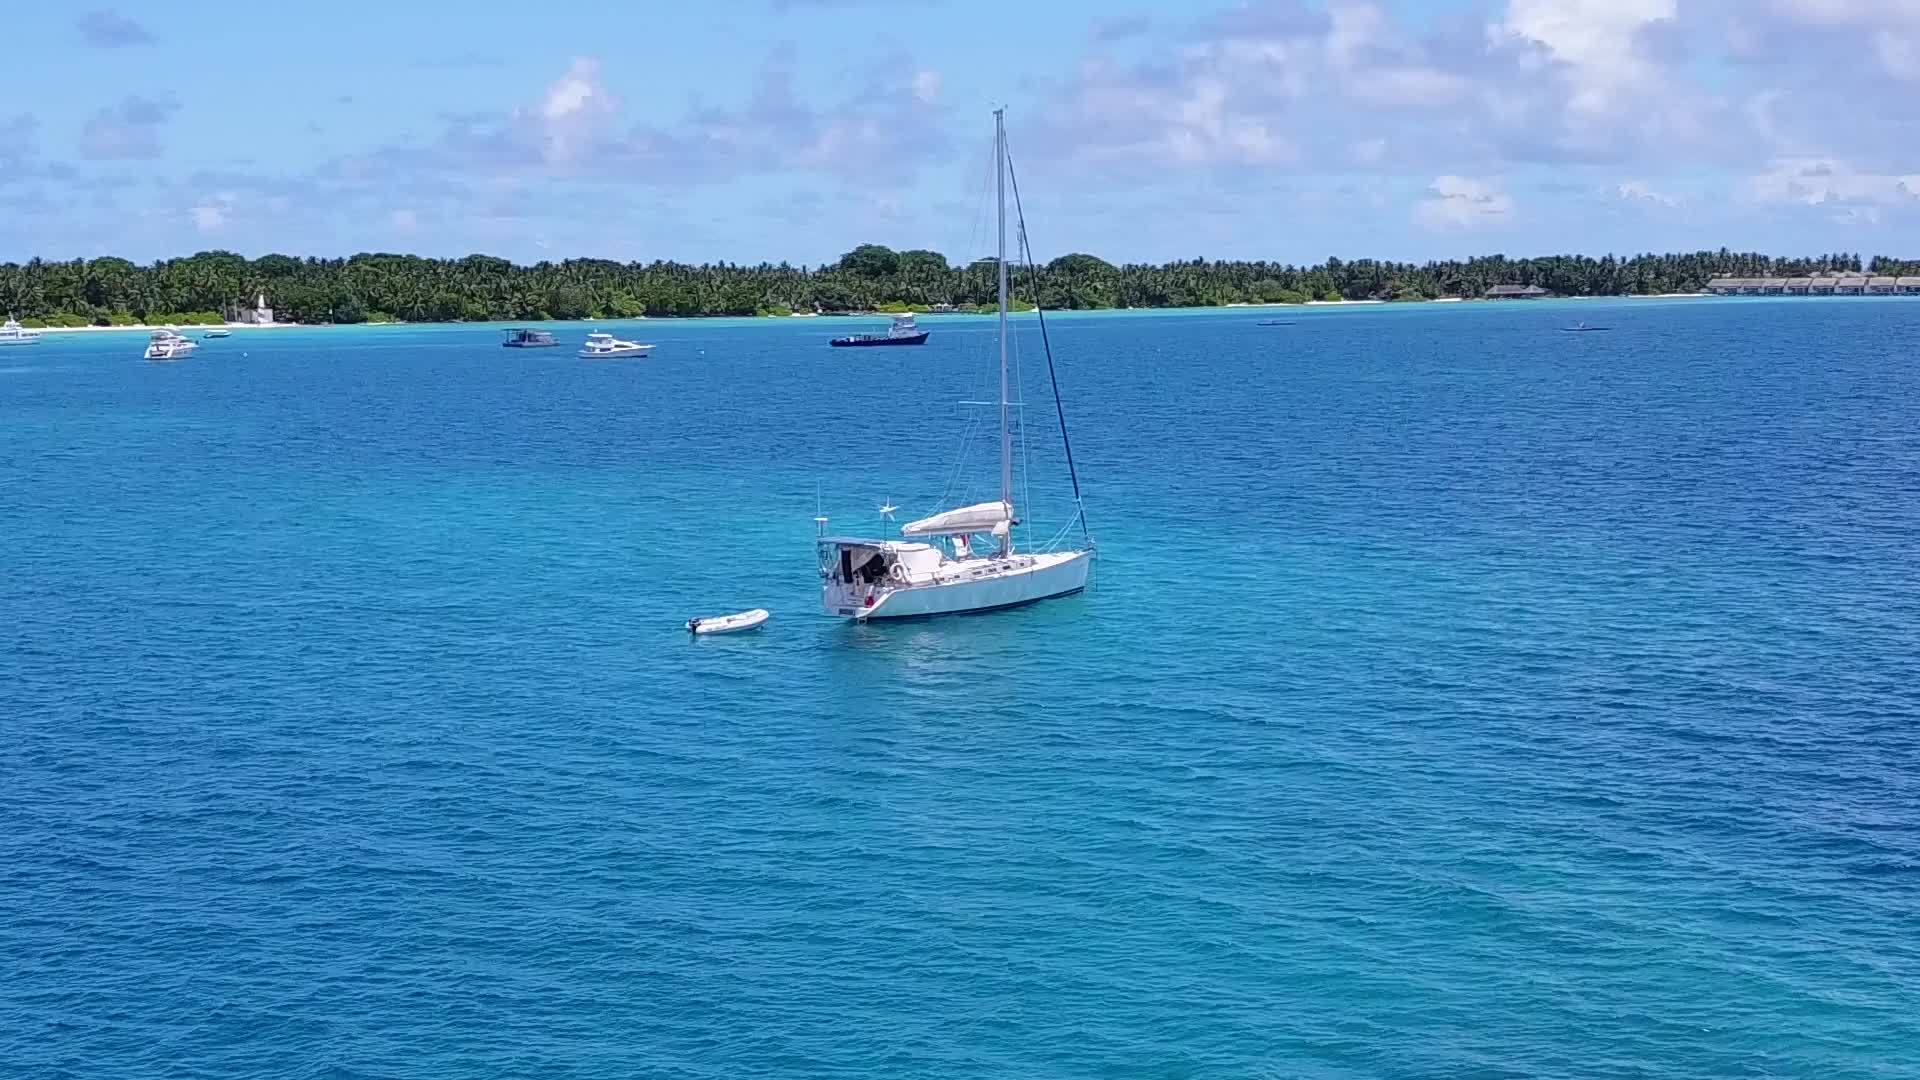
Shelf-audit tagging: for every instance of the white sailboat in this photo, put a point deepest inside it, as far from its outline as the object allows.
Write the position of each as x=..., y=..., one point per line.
x=963, y=559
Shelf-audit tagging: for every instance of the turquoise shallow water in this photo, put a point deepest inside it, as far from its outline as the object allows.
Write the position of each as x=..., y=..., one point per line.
x=1457, y=697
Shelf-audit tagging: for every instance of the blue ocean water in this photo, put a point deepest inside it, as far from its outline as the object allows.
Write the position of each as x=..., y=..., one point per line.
x=1457, y=697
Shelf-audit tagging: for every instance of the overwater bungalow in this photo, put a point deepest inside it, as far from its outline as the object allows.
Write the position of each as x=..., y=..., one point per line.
x=1822, y=285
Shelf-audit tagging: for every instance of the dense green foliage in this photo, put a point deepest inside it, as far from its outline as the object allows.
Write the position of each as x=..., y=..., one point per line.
x=870, y=277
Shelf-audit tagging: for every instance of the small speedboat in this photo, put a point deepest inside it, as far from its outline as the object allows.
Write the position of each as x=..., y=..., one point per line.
x=168, y=344
x=518, y=338
x=728, y=624
x=1583, y=328
x=217, y=334
x=11, y=333
x=607, y=347
x=1275, y=322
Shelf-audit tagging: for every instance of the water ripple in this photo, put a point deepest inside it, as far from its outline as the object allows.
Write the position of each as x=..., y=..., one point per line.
x=1450, y=702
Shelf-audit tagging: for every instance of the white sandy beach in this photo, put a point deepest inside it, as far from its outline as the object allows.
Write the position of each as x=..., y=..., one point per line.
x=1303, y=303
x=185, y=329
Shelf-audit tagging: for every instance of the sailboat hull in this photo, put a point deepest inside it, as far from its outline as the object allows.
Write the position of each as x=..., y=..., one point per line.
x=1042, y=577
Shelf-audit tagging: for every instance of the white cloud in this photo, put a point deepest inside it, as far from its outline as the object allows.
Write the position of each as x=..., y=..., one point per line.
x=1759, y=114
x=1206, y=129
x=1368, y=151
x=1196, y=120
x=1869, y=13
x=1892, y=27
x=926, y=87
x=1275, y=83
x=574, y=111
x=575, y=91
x=18, y=140
x=1457, y=202
x=1374, y=61
x=1816, y=181
x=577, y=128
x=211, y=214
x=1899, y=54
x=111, y=30
x=129, y=130
x=404, y=221
x=1408, y=87
x=1354, y=28
x=1638, y=191
x=1597, y=40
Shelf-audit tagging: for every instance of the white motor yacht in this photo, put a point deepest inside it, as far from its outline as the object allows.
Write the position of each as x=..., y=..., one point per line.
x=12, y=333
x=607, y=347
x=168, y=344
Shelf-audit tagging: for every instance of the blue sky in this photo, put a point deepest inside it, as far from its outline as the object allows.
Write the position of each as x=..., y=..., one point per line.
x=792, y=129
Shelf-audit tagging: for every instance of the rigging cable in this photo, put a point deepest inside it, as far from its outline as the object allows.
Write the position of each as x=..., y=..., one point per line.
x=1033, y=272
x=1020, y=420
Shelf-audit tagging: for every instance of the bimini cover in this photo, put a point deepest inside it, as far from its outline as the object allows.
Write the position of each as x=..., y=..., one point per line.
x=986, y=517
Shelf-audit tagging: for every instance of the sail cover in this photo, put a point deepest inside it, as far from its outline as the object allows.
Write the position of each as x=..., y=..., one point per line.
x=986, y=517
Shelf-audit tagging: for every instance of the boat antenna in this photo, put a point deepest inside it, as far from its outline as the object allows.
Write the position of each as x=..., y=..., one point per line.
x=1033, y=274
x=819, y=511
x=1006, y=435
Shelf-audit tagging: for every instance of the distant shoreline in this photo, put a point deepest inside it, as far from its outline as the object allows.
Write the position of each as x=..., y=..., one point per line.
x=1235, y=306
x=184, y=328
x=208, y=286
x=1471, y=302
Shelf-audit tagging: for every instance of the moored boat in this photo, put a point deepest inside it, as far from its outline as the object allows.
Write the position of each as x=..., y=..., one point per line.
x=728, y=624
x=607, y=347
x=903, y=332
x=12, y=333
x=962, y=559
x=520, y=338
x=169, y=344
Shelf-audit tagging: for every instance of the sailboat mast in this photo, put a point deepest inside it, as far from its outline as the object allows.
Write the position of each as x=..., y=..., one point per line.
x=1000, y=192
